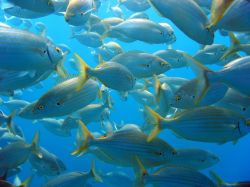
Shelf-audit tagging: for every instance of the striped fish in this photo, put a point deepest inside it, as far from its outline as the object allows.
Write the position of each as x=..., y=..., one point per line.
x=204, y=124
x=123, y=146
x=111, y=74
x=186, y=96
x=32, y=51
x=188, y=17
x=235, y=101
x=235, y=75
x=197, y=159
x=174, y=177
x=142, y=64
x=61, y=100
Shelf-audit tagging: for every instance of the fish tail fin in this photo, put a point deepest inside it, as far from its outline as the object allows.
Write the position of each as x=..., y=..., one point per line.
x=140, y=172
x=217, y=14
x=219, y=182
x=234, y=46
x=87, y=137
x=157, y=89
x=26, y=183
x=84, y=67
x=35, y=145
x=1, y=101
x=9, y=121
x=156, y=121
x=202, y=73
x=93, y=174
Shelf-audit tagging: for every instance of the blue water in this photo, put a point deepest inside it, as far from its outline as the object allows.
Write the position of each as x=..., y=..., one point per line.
x=234, y=162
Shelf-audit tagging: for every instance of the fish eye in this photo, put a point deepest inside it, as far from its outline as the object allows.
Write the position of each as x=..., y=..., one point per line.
x=161, y=33
x=58, y=103
x=178, y=98
x=58, y=50
x=244, y=109
x=163, y=63
x=40, y=107
x=158, y=153
x=147, y=65
x=174, y=153
x=193, y=96
x=144, y=174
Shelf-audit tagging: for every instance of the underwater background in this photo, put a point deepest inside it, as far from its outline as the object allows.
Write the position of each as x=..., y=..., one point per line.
x=234, y=162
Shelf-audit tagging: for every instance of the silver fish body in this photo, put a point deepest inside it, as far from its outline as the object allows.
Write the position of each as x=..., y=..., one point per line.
x=188, y=17
x=33, y=52
x=61, y=100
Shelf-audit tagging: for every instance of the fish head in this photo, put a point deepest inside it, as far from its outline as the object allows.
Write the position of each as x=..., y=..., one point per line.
x=159, y=65
x=55, y=53
x=182, y=99
x=204, y=159
x=27, y=112
x=38, y=109
x=77, y=16
x=167, y=33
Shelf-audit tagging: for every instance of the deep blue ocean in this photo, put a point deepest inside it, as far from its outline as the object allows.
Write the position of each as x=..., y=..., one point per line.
x=234, y=162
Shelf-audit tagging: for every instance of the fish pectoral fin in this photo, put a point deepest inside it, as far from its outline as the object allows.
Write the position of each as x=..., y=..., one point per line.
x=233, y=48
x=94, y=174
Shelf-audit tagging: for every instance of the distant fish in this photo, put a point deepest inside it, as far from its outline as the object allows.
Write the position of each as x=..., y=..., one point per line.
x=135, y=6
x=54, y=126
x=90, y=39
x=142, y=64
x=47, y=165
x=109, y=50
x=197, y=159
x=172, y=176
x=154, y=33
x=73, y=179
